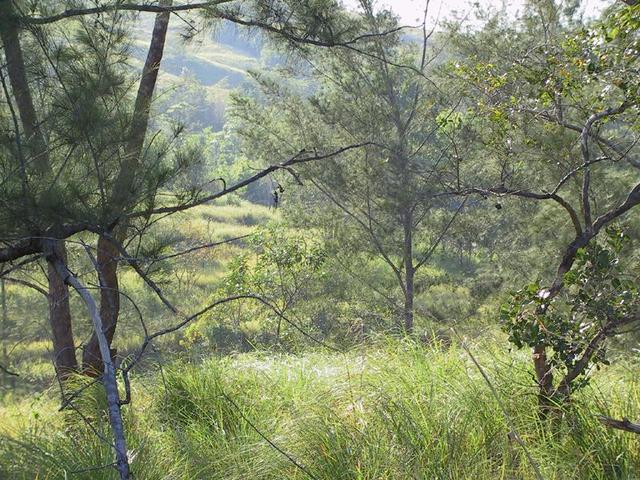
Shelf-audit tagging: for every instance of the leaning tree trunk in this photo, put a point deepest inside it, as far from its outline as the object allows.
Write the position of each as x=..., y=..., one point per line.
x=59, y=310
x=542, y=368
x=109, y=372
x=124, y=189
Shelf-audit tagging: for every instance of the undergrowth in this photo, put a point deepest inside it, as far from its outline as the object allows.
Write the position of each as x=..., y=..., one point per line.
x=396, y=410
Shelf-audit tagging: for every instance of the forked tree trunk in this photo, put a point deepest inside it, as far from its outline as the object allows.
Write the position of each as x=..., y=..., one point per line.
x=544, y=374
x=59, y=311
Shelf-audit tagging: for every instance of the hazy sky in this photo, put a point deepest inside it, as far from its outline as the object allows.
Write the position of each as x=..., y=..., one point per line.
x=411, y=11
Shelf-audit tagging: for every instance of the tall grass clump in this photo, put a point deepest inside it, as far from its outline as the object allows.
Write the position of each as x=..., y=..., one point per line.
x=39, y=442
x=393, y=410
x=397, y=410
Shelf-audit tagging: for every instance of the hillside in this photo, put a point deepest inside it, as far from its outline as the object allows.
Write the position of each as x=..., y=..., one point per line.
x=324, y=247
x=199, y=72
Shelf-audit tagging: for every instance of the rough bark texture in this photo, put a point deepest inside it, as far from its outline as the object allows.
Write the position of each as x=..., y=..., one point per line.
x=64, y=349
x=624, y=424
x=544, y=376
x=59, y=310
x=20, y=88
x=109, y=306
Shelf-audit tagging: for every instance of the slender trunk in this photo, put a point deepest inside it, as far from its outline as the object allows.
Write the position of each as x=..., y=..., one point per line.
x=408, y=302
x=64, y=349
x=35, y=143
x=4, y=331
x=59, y=309
x=124, y=189
x=544, y=377
x=109, y=307
x=109, y=373
x=409, y=272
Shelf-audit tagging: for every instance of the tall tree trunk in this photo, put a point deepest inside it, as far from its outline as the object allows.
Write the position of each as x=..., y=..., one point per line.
x=64, y=349
x=124, y=188
x=409, y=272
x=59, y=310
x=35, y=142
x=109, y=307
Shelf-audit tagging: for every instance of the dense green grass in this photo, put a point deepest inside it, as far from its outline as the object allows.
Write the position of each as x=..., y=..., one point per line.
x=394, y=410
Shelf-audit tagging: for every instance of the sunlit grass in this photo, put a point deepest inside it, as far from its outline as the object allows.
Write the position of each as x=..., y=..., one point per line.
x=394, y=410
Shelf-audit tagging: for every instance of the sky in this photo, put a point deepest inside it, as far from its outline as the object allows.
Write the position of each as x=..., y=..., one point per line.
x=411, y=11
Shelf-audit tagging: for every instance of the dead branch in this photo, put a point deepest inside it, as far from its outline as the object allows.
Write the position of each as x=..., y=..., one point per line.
x=109, y=374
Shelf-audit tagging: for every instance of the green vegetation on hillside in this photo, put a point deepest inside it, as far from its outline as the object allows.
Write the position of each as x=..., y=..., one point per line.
x=283, y=239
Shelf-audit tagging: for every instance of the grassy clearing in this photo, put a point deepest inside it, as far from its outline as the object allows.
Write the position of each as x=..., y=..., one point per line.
x=397, y=410
x=190, y=281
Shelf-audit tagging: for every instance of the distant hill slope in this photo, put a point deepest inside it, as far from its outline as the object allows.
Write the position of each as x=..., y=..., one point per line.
x=197, y=75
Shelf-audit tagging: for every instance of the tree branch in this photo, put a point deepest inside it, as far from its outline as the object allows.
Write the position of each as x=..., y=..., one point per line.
x=301, y=157
x=115, y=7
x=109, y=375
x=623, y=424
x=586, y=155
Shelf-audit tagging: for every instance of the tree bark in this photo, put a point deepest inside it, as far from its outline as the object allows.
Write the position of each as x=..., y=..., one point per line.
x=544, y=377
x=109, y=306
x=20, y=88
x=624, y=424
x=4, y=331
x=409, y=272
x=124, y=186
x=124, y=190
x=64, y=349
x=59, y=310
